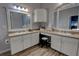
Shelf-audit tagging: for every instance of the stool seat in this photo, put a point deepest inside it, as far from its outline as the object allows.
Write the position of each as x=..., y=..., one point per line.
x=44, y=41
x=44, y=38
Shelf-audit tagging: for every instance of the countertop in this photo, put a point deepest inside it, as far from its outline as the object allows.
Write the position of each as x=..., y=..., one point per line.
x=44, y=31
x=21, y=33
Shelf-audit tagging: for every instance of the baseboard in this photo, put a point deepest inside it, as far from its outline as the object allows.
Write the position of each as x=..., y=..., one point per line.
x=4, y=51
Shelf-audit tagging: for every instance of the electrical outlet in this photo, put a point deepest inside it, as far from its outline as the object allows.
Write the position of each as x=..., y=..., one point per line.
x=6, y=41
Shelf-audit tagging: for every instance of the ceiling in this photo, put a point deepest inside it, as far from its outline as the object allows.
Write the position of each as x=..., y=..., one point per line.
x=31, y=5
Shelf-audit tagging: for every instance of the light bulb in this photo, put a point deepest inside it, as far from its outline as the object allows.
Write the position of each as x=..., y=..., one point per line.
x=19, y=8
x=22, y=8
x=26, y=10
x=15, y=7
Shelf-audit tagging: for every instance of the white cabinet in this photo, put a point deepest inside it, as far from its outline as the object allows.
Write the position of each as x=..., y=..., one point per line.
x=66, y=45
x=35, y=38
x=31, y=40
x=56, y=42
x=16, y=44
x=40, y=15
x=78, y=49
x=27, y=41
x=20, y=43
x=69, y=46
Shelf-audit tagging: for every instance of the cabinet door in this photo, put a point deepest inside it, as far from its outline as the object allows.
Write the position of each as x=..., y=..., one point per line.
x=69, y=46
x=35, y=38
x=30, y=40
x=56, y=42
x=40, y=15
x=27, y=41
x=16, y=44
x=78, y=48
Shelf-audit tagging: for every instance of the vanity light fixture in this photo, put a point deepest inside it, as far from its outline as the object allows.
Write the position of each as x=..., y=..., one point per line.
x=21, y=8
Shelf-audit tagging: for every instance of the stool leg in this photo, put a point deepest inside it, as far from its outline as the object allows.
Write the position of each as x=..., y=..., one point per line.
x=46, y=44
x=41, y=43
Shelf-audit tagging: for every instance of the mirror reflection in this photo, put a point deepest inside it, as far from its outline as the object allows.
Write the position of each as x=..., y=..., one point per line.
x=19, y=20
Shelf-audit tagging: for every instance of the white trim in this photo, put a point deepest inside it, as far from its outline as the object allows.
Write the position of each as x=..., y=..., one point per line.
x=4, y=51
x=18, y=11
x=57, y=26
x=67, y=6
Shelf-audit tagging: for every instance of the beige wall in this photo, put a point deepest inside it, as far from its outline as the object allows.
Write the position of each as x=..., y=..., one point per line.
x=3, y=30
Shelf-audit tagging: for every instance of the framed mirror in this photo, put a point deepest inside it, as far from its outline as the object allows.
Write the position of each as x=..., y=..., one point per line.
x=65, y=18
x=18, y=20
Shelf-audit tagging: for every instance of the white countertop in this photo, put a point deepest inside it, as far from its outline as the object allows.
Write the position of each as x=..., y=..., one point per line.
x=44, y=31
x=21, y=33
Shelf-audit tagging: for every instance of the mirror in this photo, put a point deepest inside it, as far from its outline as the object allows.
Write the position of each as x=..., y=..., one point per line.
x=18, y=20
x=65, y=16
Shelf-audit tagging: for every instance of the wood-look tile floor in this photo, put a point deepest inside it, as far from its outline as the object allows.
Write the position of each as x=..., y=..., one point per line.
x=36, y=51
